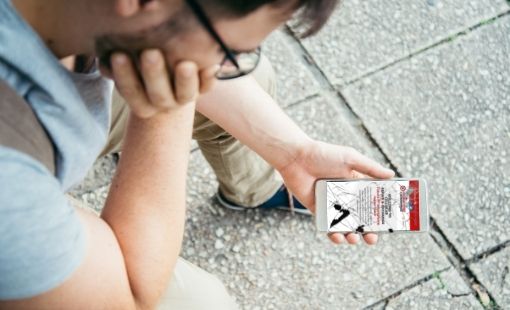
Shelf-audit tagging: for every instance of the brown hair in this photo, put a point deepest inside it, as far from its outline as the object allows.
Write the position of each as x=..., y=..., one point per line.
x=312, y=16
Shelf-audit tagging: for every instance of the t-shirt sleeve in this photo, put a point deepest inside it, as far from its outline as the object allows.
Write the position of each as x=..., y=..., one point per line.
x=42, y=241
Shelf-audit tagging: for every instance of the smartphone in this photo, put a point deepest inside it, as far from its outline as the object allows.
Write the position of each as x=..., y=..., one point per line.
x=368, y=205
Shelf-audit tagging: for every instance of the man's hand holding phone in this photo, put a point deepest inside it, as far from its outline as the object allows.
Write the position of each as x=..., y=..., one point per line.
x=320, y=160
x=150, y=89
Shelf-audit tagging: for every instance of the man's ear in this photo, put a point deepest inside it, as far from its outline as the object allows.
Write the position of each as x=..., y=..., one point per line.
x=127, y=8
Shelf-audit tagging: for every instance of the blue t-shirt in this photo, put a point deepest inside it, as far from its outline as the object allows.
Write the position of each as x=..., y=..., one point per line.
x=41, y=238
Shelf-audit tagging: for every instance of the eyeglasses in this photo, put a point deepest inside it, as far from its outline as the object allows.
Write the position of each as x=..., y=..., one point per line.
x=235, y=64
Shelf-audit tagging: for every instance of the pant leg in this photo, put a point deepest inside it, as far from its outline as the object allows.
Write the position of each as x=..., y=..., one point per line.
x=243, y=176
x=118, y=123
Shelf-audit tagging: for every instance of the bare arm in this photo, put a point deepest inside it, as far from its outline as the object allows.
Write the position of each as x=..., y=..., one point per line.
x=146, y=203
x=132, y=249
x=246, y=111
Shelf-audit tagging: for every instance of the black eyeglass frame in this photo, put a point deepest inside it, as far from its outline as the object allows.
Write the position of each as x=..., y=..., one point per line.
x=229, y=54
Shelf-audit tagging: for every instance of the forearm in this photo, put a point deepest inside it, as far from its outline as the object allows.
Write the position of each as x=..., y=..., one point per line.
x=146, y=204
x=247, y=112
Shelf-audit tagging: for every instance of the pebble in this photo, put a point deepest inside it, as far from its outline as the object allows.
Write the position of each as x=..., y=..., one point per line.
x=218, y=245
x=432, y=2
x=219, y=232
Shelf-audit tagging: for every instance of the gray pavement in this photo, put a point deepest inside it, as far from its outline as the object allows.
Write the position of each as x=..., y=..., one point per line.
x=444, y=115
x=444, y=290
x=494, y=274
x=365, y=36
x=421, y=86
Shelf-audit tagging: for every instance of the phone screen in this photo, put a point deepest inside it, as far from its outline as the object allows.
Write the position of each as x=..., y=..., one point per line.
x=373, y=206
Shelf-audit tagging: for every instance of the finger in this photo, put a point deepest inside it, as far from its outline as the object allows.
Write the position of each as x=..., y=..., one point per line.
x=370, y=239
x=156, y=80
x=356, y=175
x=336, y=238
x=365, y=165
x=129, y=86
x=311, y=207
x=208, y=78
x=186, y=82
x=352, y=238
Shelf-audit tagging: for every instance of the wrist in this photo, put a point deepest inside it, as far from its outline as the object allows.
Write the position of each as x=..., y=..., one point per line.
x=184, y=111
x=297, y=152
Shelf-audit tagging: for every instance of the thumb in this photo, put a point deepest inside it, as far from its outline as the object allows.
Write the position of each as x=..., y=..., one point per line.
x=367, y=166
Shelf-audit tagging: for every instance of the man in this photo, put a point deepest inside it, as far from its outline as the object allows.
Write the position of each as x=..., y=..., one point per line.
x=162, y=54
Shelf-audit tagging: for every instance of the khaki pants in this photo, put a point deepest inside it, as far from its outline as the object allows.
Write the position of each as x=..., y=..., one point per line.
x=244, y=178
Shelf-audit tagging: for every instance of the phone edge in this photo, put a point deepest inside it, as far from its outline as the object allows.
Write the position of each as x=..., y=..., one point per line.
x=320, y=206
x=424, y=206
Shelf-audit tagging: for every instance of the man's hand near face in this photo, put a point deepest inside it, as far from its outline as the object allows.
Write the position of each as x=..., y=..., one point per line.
x=154, y=93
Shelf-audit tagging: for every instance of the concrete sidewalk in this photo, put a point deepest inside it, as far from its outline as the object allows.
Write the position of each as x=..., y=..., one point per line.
x=422, y=86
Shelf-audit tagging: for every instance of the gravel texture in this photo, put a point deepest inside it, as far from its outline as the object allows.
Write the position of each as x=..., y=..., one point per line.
x=366, y=35
x=445, y=115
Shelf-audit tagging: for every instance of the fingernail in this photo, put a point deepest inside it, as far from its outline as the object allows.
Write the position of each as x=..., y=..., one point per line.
x=119, y=59
x=151, y=56
x=187, y=70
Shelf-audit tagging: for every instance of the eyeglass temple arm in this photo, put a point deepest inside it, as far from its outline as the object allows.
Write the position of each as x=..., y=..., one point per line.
x=207, y=24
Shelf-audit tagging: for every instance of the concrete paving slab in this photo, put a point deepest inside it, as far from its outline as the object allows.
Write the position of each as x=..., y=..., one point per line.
x=446, y=290
x=273, y=260
x=327, y=119
x=366, y=35
x=294, y=81
x=494, y=273
x=444, y=115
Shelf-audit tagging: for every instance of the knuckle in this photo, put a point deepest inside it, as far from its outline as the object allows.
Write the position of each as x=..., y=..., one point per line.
x=159, y=99
x=129, y=90
x=141, y=111
x=185, y=98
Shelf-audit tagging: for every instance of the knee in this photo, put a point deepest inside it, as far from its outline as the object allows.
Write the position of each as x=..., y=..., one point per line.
x=194, y=288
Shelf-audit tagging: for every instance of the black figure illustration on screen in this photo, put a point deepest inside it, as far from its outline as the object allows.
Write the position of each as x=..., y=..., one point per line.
x=341, y=215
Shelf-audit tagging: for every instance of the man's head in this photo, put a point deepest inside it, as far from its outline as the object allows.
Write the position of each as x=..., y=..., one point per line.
x=178, y=28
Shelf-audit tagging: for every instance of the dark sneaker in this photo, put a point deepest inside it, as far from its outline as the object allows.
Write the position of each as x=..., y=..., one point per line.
x=279, y=201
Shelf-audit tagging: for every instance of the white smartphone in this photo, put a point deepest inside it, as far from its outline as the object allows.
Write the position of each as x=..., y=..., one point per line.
x=367, y=205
